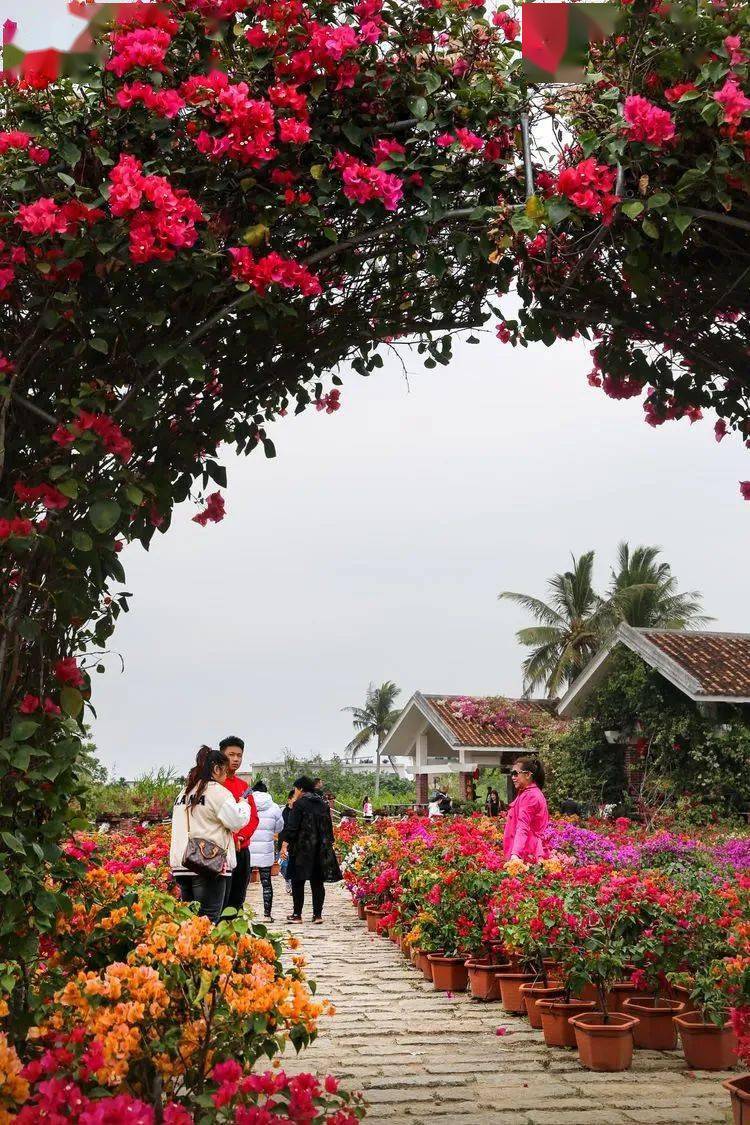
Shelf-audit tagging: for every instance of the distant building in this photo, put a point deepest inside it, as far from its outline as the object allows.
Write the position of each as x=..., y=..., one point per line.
x=364, y=761
x=435, y=738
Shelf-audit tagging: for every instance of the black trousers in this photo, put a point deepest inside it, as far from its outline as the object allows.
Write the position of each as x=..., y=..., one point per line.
x=267, y=888
x=210, y=891
x=318, y=888
x=240, y=879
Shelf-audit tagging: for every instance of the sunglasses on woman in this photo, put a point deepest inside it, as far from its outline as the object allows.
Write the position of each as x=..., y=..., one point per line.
x=515, y=773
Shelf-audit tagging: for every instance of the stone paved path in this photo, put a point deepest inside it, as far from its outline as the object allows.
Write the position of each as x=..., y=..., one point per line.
x=421, y=1056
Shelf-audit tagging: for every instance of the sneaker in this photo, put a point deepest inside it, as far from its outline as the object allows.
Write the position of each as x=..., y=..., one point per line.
x=294, y=918
x=318, y=921
x=267, y=918
x=288, y=888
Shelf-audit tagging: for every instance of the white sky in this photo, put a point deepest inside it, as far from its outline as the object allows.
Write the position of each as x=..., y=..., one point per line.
x=374, y=545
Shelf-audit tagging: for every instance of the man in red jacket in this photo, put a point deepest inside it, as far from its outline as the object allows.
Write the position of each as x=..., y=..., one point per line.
x=234, y=748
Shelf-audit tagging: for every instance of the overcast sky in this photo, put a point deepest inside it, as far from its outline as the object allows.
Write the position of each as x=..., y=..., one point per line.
x=373, y=547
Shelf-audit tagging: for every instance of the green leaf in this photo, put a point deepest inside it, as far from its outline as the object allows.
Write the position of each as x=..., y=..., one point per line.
x=431, y=81
x=418, y=106
x=68, y=488
x=632, y=208
x=352, y=133
x=23, y=729
x=82, y=540
x=521, y=222
x=134, y=494
x=5, y=883
x=70, y=152
x=660, y=199
x=99, y=345
x=13, y=843
x=558, y=209
x=104, y=514
x=650, y=229
x=71, y=701
x=681, y=221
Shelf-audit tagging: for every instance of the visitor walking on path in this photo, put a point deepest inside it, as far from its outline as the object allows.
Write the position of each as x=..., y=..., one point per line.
x=204, y=816
x=527, y=814
x=283, y=856
x=262, y=846
x=367, y=812
x=308, y=837
x=234, y=748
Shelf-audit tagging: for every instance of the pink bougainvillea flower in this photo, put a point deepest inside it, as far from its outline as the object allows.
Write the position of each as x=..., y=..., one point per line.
x=330, y=402
x=733, y=101
x=29, y=704
x=272, y=269
x=45, y=494
x=745, y=489
x=509, y=27
x=647, y=122
x=67, y=671
x=213, y=512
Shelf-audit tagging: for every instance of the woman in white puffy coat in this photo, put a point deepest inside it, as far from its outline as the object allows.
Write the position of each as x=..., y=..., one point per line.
x=262, y=845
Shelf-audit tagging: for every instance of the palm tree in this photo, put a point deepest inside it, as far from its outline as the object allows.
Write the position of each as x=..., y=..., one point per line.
x=569, y=629
x=374, y=720
x=577, y=621
x=643, y=593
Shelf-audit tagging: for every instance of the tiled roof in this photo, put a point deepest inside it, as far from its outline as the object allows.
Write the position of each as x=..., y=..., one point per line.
x=720, y=662
x=470, y=732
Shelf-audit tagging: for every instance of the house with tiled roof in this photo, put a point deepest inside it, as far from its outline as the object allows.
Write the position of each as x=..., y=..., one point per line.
x=458, y=734
x=709, y=668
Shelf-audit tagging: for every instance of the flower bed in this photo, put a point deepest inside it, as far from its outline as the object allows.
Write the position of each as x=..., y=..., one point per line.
x=138, y=1009
x=644, y=926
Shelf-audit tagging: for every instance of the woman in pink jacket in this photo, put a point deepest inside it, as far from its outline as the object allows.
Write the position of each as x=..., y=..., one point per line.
x=527, y=815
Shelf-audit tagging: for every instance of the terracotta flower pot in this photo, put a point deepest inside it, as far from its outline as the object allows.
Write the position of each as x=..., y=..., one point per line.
x=588, y=992
x=373, y=916
x=361, y=911
x=425, y=964
x=677, y=992
x=706, y=1046
x=739, y=1092
x=621, y=991
x=555, y=1016
x=449, y=974
x=510, y=991
x=656, y=1029
x=532, y=994
x=483, y=982
x=604, y=1046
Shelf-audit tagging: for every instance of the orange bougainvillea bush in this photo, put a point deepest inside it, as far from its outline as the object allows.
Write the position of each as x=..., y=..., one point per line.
x=136, y=997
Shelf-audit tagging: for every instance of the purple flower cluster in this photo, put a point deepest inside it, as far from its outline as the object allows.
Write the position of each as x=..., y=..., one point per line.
x=659, y=850
x=734, y=853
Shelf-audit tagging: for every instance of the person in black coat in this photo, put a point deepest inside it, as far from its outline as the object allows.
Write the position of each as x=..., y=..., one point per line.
x=308, y=836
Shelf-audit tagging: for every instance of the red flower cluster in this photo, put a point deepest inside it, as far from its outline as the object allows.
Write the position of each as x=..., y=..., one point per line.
x=170, y=224
x=246, y=125
x=365, y=182
x=590, y=185
x=46, y=494
x=647, y=122
x=104, y=427
x=31, y=703
x=509, y=27
x=213, y=512
x=330, y=402
x=44, y=216
x=272, y=269
x=67, y=671
x=15, y=527
x=23, y=142
x=733, y=102
x=165, y=103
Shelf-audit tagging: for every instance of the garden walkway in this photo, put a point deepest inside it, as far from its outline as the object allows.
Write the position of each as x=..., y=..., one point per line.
x=422, y=1056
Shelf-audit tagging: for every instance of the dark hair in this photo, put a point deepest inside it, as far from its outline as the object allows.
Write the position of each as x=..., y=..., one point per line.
x=535, y=768
x=290, y=794
x=306, y=784
x=260, y=787
x=231, y=740
x=317, y=781
x=206, y=761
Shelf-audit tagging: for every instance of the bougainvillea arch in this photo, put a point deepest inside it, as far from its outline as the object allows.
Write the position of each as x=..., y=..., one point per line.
x=250, y=193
